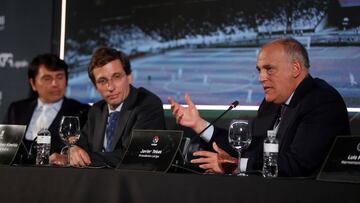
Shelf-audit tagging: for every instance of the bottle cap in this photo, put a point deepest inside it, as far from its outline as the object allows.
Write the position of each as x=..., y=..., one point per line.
x=271, y=133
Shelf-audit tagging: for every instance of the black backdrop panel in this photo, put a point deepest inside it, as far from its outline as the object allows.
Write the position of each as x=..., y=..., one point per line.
x=25, y=31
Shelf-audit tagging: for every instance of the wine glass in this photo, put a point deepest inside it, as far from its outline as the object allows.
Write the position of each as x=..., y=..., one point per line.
x=239, y=137
x=69, y=132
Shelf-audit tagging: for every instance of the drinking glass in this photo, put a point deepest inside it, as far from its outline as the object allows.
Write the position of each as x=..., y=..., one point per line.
x=239, y=137
x=69, y=132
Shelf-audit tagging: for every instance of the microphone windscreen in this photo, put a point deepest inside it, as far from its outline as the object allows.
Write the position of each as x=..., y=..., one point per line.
x=235, y=103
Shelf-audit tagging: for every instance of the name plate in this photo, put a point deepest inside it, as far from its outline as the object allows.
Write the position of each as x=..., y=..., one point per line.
x=151, y=150
x=343, y=161
x=10, y=140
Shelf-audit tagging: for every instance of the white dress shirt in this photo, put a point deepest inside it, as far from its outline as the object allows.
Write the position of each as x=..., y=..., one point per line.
x=42, y=117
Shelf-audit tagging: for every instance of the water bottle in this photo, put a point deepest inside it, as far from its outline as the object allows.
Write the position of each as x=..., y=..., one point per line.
x=43, y=144
x=271, y=149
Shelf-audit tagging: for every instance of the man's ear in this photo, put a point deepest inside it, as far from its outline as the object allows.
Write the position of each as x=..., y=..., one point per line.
x=32, y=84
x=129, y=78
x=296, y=68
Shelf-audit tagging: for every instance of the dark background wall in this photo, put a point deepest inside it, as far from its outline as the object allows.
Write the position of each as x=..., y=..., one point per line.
x=26, y=29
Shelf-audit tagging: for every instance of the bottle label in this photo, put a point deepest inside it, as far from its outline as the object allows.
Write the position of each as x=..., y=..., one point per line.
x=43, y=139
x=271, y=148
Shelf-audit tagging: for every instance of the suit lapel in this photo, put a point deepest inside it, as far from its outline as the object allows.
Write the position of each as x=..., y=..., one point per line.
x=125, y=113
x=263, y=124
x=285, y=130
x=119, y=130
x=99, y=130
x=56, y=122
x=29, y=112
x=265, y=120
x=286, y=122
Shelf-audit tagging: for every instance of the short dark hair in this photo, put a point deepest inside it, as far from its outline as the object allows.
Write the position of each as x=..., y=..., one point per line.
x=295, y=50
x=105, y=55
x=50, y=61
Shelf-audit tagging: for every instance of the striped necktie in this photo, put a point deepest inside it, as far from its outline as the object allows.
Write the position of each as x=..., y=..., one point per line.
x=110, y=128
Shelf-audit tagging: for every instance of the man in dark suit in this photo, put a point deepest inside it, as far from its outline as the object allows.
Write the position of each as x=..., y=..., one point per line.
x=313, y=114
x=47, y=76
x=106, y=134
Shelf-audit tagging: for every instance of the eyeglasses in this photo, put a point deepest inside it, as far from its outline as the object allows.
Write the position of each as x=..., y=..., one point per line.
x=102, y=82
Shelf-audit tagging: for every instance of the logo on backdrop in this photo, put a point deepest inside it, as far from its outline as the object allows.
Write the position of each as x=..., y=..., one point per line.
x=2, y=23
x=7, y=59
x=358, y=147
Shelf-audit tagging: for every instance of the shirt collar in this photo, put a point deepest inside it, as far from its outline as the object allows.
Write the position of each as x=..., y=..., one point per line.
x=56, y=105
x=289, y=99
x=117, y=108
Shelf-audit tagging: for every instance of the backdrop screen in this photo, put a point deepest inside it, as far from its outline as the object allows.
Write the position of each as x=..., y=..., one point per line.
x=208, y=47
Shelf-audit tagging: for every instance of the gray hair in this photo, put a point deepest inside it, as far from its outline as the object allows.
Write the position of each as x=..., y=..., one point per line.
x=294, y=49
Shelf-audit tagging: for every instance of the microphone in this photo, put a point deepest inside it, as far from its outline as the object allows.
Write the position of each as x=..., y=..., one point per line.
x=24, y=147
x=30, y=153
x=233, y=105
x=186, y=148
x=26, y=154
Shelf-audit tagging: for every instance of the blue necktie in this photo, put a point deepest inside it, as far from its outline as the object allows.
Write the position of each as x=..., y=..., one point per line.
x=110, y=128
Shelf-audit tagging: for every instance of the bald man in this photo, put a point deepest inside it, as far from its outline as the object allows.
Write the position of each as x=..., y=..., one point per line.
x=313, y=114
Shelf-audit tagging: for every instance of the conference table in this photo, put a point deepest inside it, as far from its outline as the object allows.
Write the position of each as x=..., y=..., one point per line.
x=60, y=184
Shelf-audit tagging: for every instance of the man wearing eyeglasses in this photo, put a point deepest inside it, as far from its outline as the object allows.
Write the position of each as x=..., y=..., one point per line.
x=47, y=76
x=106, y=134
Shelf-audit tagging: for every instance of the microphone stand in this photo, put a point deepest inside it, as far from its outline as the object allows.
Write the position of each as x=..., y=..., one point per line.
x=31, y=147
x=233, y=105
x=184, y=164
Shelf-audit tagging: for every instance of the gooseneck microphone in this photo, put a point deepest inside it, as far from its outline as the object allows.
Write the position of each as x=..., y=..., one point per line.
x=185, y=153
x=27, y=153
x=30, y=153
x=233, y=105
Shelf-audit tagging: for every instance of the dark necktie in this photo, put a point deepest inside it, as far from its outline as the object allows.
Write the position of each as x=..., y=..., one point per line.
x=283, y=109
x=110, y=128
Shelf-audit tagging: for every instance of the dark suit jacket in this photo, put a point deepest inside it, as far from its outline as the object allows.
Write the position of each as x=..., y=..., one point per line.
x=315, y=115
x=20, y=113
x=141, y=110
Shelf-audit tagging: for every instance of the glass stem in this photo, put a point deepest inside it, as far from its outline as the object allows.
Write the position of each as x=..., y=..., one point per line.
x=68, y=156
x=239, y=158
x=65, y=151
